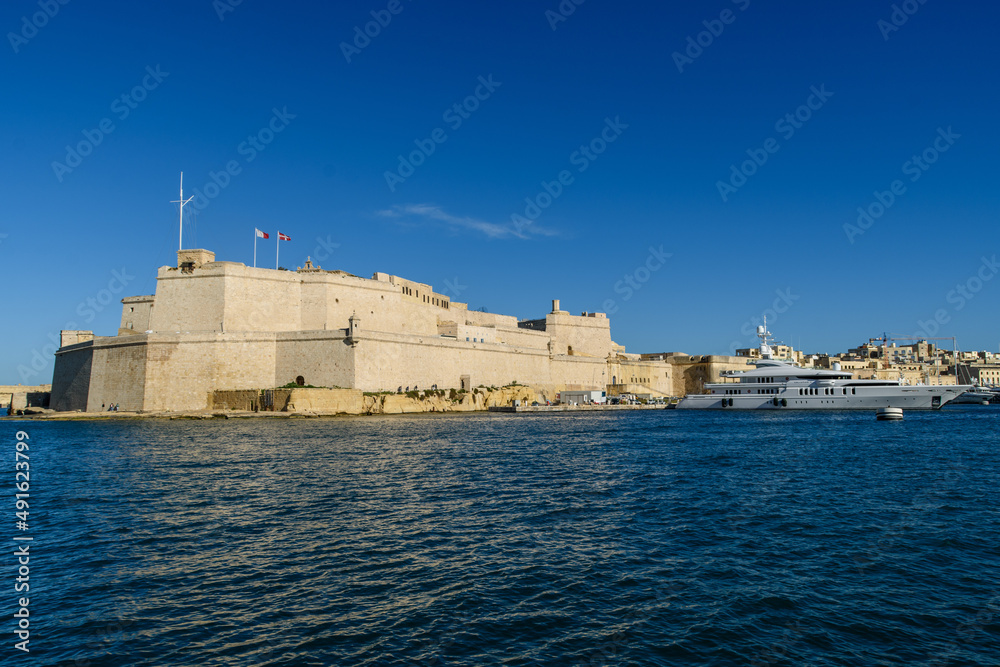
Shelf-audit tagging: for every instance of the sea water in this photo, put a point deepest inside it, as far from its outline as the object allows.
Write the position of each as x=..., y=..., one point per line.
x=625, y=538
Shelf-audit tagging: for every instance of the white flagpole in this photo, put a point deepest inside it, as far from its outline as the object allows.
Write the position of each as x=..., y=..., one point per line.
x=255, y=247
x=180, y=236
x=277, y=247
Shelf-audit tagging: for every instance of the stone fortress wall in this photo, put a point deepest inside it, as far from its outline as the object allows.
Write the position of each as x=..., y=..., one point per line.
x=215, y=325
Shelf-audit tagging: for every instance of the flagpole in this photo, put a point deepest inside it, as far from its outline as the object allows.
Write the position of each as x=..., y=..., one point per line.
x=180, y=235
x=277, y=248
x=255, y=247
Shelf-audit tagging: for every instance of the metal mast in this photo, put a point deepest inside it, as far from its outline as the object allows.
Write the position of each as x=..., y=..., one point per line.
x=181, y=201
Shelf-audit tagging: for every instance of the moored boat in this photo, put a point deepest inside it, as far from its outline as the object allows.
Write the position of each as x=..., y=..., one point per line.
x=774, y=384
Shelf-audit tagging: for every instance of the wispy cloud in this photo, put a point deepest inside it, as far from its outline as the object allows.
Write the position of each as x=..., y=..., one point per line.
x=430, y=212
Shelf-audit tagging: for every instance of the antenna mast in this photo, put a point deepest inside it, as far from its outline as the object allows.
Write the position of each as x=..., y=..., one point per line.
x=181, y=201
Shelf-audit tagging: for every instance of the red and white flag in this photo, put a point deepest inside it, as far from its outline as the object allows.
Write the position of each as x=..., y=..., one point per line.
x=260, y=234
x=284, y=237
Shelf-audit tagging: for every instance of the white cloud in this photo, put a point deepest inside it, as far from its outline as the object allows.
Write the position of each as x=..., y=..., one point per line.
x=434, y=213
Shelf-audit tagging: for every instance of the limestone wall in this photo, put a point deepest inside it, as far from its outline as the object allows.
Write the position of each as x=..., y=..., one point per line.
x=690, y=374
x=585, y=336
x=353, y=402
x=24, y=388
x=386, y=361
x=247, y=400
x=188, y=302
x=537, y=340
x=576, y=374
x=232, y=297
x=69, y=337
x=136, y=314
x=480, y=319
x=654, y=375
x=118, y=375
x=71, y=377
x=260, y=299
x=18, y=396
x=181, y=371
x=349, y=401
x=321, y=359
x=476, y=333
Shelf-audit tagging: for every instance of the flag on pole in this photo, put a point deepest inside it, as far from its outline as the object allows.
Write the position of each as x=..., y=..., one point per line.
x=277, y=246
x=257, y=235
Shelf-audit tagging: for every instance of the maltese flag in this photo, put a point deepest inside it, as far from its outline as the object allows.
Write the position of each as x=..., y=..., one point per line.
x=261, y=235
x=284, y=237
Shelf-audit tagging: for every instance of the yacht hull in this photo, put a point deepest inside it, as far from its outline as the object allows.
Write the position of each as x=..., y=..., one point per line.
x=908, y=398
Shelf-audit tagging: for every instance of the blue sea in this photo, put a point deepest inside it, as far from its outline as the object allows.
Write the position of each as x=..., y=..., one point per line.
x=609, y=538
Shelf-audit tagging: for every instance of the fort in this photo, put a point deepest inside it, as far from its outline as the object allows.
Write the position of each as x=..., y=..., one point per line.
x=223, y=326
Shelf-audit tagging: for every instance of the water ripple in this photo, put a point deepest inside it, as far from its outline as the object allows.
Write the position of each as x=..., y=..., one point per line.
x=660, y=538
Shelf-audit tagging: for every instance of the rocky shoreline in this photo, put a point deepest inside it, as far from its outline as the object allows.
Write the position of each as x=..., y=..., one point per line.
x=311, y=402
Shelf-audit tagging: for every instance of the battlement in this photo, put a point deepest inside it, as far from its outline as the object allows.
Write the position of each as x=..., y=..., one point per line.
x=188, y=260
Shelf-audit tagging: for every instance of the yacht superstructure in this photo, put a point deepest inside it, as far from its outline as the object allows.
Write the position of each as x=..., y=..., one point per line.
x=780, y=385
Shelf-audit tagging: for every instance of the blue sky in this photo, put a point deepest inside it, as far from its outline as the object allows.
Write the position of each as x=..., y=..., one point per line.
x=591, y=158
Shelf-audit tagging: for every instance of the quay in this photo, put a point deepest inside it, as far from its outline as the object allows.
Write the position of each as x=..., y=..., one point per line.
x=574, y=408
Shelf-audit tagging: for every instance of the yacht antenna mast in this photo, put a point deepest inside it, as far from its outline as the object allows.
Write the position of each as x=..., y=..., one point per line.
x=764, y=334
x=181, y=201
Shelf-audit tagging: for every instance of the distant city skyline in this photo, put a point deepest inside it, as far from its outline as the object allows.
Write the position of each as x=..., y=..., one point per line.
x=687, y=170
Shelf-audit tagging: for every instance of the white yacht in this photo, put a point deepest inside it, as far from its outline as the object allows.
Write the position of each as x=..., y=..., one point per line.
x=975, y=396
x=780, y=385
